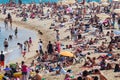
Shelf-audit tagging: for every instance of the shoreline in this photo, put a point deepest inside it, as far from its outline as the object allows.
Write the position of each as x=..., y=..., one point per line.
x=33, y=48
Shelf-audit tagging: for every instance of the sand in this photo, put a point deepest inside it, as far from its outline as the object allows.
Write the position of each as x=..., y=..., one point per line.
x=49, y=35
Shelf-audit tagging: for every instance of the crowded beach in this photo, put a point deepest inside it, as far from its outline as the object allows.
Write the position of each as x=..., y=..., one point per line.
x=75, y=40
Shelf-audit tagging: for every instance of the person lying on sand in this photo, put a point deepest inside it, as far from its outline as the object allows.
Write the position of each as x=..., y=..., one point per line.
x=102, y=47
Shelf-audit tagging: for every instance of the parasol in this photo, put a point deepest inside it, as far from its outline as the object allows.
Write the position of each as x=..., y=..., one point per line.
x=67, y=54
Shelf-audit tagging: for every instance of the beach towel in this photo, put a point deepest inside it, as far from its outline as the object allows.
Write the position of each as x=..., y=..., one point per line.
x=117, y=32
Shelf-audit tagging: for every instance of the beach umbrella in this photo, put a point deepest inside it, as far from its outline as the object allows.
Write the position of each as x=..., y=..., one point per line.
x=103, y=16
x=67, y=54
x=117, y=11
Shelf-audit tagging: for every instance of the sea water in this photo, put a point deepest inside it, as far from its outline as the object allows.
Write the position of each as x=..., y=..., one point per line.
x=13, y=50
x=42, y=1
x=29, y=1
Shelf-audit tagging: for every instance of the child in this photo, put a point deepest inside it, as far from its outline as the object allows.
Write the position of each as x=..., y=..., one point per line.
x=24, y=53
x=30, y=40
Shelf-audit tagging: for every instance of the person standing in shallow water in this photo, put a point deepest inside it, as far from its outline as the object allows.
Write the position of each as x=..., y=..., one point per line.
x=5, y=45
x=6, y=23
x=9, y=17
x=16, y=32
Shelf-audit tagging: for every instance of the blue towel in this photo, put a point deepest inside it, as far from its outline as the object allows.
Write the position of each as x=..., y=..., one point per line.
x=117, y=32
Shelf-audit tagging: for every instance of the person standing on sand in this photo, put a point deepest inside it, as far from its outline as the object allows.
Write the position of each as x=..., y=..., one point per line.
x=50, y=48
x=40, y=47
x=58, y=44
x=28, y=45
x=57, y=35
x=2, y=59
x=16, y=32
x=24, y=70
x=5, y=45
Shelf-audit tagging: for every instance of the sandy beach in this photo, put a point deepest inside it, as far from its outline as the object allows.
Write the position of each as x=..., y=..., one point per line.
x=36, y=25
x=50, y=35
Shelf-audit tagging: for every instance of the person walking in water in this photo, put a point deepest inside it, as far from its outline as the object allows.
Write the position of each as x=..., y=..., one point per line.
x=6, y=23
x=5, y=45
x=9, y=17
x=16, y=32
